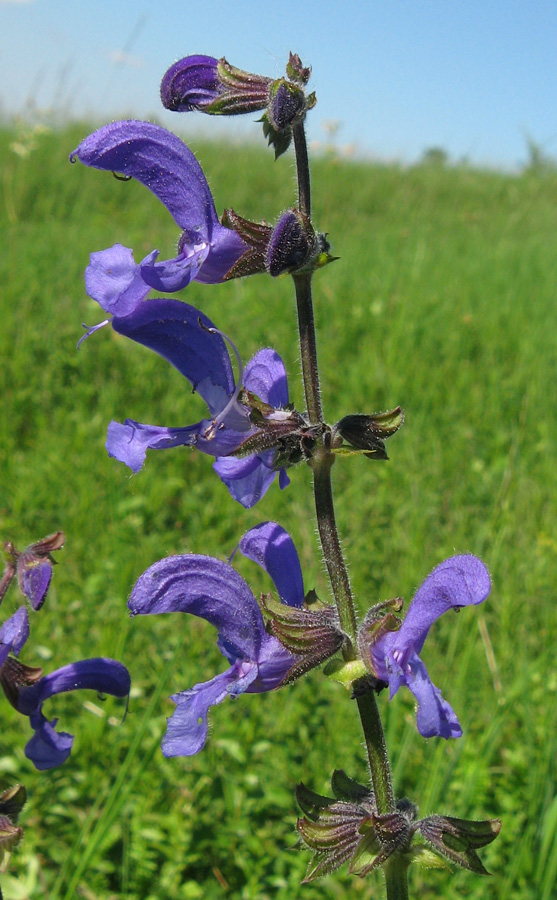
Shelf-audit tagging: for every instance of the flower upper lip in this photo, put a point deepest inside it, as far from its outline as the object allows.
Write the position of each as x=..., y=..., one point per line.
x=165, y=165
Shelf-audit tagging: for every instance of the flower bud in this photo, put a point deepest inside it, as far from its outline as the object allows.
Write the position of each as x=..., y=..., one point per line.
x=219, y=89
x=191, y=83
x=287, y=103
x=33, y=566
x=213, y=87
x=294, y=245
x=366, y=434
x=12, y=802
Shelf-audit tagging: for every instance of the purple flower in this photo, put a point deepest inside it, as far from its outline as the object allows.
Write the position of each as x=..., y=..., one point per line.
x=48, y=748
x=163, y=163
x=212, y=590
x=188, y=340
x=456, y=582
x=27, y=690
x=13, y=634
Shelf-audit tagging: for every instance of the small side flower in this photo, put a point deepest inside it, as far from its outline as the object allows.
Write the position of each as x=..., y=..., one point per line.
x=394, y=654
x=49, y=748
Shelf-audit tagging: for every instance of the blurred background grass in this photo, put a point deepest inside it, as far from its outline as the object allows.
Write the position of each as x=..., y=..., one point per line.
x=443, y=301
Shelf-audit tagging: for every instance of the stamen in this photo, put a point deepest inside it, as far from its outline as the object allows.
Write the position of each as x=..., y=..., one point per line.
x=218, y=421
x=119, y=177
x=90, y=330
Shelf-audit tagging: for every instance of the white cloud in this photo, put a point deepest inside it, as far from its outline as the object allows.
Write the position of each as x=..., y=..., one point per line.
x=121, y=58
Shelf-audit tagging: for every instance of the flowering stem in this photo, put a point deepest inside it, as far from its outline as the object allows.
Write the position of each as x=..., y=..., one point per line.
x=330, y=543
x=396, y=877
x=377, y=753
x=321, y=463
x=302, y=168
x=308, y=347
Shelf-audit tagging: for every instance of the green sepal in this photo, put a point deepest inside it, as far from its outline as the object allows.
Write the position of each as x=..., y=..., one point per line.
x=296, y=71
x=311, y=635
x=426, y=858
x=345, y=672
x=241, y=92
x=256, y=234
x=367, y=855
x=366, y=433
x=346, y=788
x=15, y=675
x=12, y=802
x=279, y=140
x=379, y=453
x=379, y=619
x=458, y=839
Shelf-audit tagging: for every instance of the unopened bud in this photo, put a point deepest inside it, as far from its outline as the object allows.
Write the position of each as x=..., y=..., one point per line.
x=191, y=83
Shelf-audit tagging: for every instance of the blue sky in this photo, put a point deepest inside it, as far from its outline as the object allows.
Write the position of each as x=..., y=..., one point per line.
x=476, y=78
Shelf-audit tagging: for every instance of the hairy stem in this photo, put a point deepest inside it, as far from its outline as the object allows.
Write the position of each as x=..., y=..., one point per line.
x=308, y=347
x=377, y=753
x=396, y=879
x=302, y=168
x=330, y=543
x=321, y=464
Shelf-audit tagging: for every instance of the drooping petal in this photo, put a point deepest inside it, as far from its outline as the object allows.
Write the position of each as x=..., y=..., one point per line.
x=48, y=748
x=265, y=376
x=187, y=727
x=114, y=279
x=190, y=84
x=435, y=717
x=129, y=442
x=207, y=588
x=107, y=676
x=14, y=633
x=160, y=161
x=272, y=548
x=248, y=479
x=179, y=333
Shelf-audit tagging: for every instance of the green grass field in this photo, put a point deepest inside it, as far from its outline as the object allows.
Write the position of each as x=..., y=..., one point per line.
x=443, y=300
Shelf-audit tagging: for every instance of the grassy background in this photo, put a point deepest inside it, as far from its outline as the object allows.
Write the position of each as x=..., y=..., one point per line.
x=444, y=301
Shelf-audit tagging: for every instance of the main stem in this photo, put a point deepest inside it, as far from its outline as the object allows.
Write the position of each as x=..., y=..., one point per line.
x=321, y=463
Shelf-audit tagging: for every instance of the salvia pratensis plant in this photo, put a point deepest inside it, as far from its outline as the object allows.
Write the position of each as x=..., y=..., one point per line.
x=254, y=435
